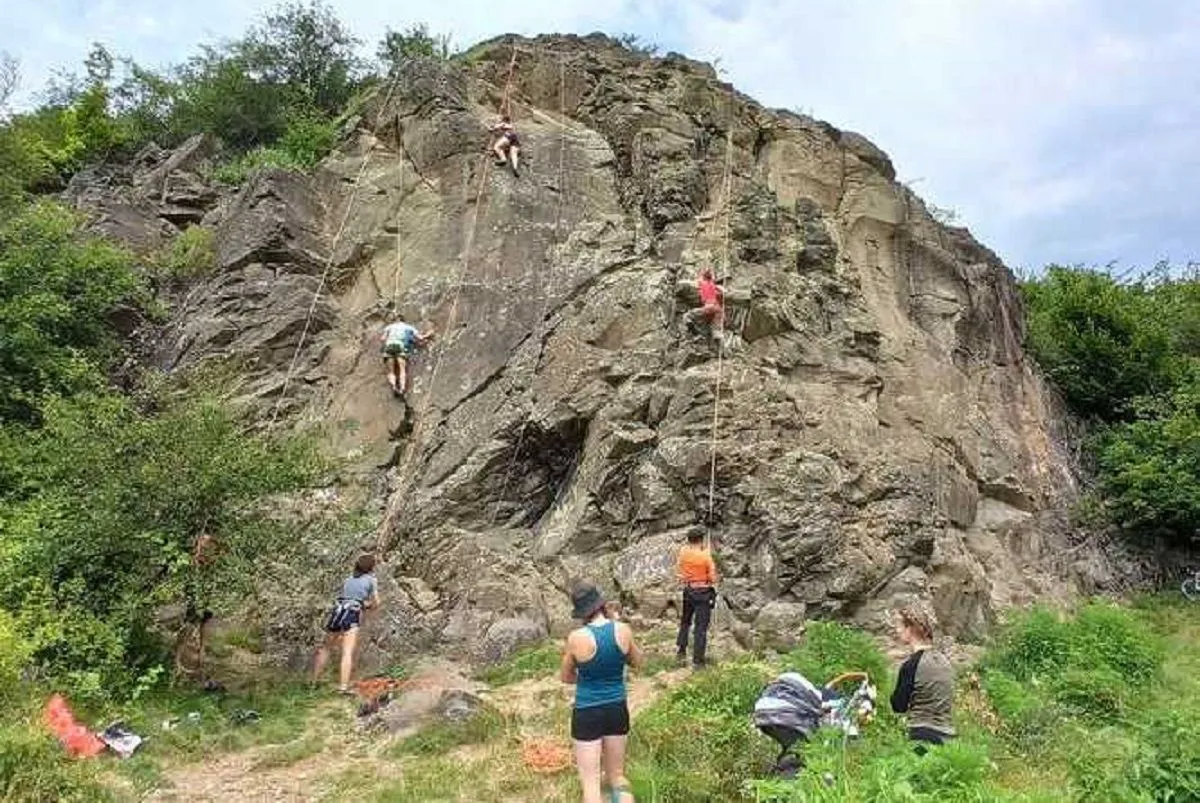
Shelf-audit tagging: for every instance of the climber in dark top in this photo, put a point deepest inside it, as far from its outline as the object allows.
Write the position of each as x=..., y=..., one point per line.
x=925, y=684
x=508, y=145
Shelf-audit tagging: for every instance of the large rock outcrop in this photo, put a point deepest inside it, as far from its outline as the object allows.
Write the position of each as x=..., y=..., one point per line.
x=868, y=433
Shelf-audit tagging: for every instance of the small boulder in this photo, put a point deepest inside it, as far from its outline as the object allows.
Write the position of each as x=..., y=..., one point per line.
x=780, y=624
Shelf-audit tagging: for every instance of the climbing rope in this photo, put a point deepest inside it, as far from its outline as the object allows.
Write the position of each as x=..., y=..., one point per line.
x=728, y=191
x=539, y=288
x=468, y=246
x=399, y=243
x=337, y=238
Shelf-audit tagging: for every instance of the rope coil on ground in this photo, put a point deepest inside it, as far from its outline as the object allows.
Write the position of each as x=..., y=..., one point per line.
x=545, y=755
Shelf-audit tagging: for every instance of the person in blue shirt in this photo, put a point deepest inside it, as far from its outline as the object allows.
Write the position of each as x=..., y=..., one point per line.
x=358, y=593
x=594, y=659
x=399, y=341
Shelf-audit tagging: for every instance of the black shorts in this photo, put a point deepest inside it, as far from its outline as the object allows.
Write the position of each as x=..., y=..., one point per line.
x=596, y=722
x=343, y=618
x=928, y=735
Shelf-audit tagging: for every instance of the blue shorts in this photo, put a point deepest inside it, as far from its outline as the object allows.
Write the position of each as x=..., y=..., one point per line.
x=396, y=350
x=343, y=617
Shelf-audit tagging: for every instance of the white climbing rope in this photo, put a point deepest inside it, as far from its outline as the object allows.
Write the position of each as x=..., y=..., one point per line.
x=337, y=238
x=394, y=507
x=540, y=287
x=728, y=192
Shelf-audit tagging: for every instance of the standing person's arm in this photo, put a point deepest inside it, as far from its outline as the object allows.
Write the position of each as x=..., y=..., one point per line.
x=905, y=681
x=373, y=599
x=568, y=670
x=711, y=569
x=633, y=653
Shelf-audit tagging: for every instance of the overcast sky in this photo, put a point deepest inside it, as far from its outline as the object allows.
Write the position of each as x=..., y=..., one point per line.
x=1059, y=130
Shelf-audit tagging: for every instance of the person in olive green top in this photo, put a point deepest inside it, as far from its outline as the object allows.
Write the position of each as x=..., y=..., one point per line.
x=925, y=684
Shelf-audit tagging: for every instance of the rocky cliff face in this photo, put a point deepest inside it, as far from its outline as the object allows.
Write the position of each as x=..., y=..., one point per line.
x=868, y=433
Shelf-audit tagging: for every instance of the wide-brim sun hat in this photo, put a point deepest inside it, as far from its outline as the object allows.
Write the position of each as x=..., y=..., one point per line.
x=586, y=599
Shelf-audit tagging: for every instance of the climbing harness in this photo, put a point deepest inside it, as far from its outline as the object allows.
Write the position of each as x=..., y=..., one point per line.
x=337, y=238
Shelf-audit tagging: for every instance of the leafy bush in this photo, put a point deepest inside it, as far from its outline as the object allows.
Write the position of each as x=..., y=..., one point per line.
x=303, y=144
x=1150, y=468
x=102, y=511
x=1167, y=761
x=57, y=289
x=831, y=648
x=189, y=256
x=14, y=653
x=33, y=769
x=1102, y=343
x=696, y=743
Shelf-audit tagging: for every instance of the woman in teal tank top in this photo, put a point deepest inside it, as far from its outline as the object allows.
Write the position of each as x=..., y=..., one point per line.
x=594, y=660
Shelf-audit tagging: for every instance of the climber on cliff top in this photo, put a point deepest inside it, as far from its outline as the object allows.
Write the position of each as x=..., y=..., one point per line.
x=399, y=341
x=712, y=302
x=508, y=145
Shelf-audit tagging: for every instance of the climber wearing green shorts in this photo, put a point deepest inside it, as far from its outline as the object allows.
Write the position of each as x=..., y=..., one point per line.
x=400, y=340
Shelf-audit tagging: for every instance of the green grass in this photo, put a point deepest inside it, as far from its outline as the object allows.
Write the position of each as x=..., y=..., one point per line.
x=485, y=725
x=285, y=755
x=1100, y=706
x=531, y=662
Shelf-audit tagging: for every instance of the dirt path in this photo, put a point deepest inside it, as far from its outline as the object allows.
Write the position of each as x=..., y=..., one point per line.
x=332, y=754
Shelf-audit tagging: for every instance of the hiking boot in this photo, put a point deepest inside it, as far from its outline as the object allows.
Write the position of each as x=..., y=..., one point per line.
x=681, y=658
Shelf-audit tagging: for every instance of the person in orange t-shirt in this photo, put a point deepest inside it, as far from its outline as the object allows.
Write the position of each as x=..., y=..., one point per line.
x=698, y=576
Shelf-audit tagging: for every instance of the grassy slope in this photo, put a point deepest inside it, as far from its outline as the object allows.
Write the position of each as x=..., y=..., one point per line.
x=1064, y=733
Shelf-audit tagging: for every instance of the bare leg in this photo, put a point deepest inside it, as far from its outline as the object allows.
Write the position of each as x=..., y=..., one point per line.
x=614, y=764
x=498, y=149
x=402, y=374
x=322, y=657
x=514, y=153
x=349, y=640
x=394, y=373
x=200, y=639
x=587, y=759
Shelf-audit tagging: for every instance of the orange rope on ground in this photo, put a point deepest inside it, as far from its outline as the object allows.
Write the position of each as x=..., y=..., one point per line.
x=545, y=755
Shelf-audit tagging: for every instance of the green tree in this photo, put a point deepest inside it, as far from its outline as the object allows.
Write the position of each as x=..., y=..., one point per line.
x=57, y=289
x=416, y=42
x=1150, y=467
x=1100, y=342
x=305, y=48
x=103, y=507
x=218, y=94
